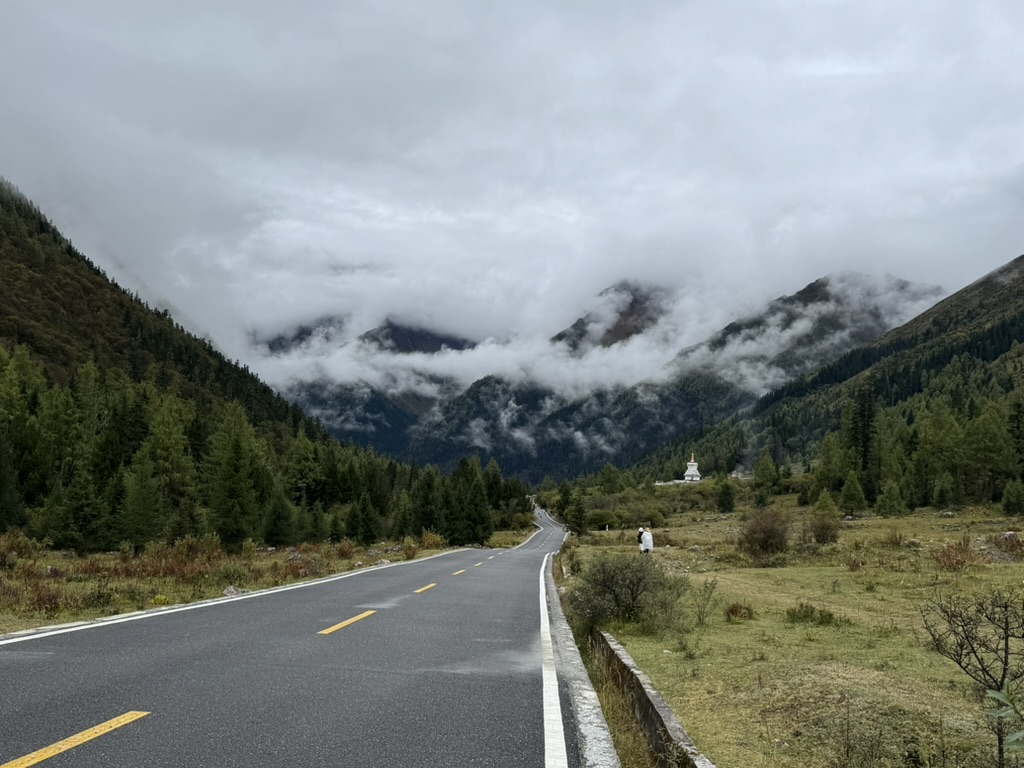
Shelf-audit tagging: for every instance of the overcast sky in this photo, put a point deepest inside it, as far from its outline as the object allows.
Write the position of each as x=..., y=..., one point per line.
x=486, y=168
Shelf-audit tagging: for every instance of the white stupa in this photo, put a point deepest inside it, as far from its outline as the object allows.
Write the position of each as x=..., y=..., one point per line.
x=692, y=475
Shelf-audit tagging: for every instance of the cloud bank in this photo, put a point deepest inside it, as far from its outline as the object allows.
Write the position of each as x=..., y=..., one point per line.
x=485, y=169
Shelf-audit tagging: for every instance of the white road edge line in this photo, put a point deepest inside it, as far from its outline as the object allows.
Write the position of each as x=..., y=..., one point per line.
x=554, y=735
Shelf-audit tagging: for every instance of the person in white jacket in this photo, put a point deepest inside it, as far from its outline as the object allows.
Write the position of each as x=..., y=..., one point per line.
x=647, y=541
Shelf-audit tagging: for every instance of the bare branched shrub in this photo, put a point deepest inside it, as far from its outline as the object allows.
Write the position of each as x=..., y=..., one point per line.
x=705, y=601
x=983, y=634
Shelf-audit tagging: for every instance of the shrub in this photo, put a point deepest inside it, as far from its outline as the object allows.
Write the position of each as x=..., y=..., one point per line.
x=764, y=534
x=409, y=548
x=249, y=550
x=619, y=587
x=957, y=556
x=231, y=574
x=345, y=548
x=16, y=543
x=705, y=601
x=735, y=612
x=894, y=538
x=432, y=540
x=600, y=519
x=805, y=613
x=824, y=527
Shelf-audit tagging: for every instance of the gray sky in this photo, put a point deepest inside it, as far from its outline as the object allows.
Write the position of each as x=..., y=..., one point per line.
x=486, y=168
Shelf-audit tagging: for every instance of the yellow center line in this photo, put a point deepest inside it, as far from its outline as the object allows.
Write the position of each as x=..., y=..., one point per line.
x=73, y=741
x=477, y=565
x=336, y=627
x=459, y=572
x=424, y=589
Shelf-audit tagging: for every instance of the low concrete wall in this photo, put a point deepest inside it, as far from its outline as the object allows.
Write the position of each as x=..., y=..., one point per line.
x=666, y=735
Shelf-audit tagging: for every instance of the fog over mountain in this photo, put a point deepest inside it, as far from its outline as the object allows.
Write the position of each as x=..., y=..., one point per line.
x=631, y=333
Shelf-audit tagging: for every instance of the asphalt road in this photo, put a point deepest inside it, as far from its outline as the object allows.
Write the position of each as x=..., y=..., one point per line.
x=437, y=662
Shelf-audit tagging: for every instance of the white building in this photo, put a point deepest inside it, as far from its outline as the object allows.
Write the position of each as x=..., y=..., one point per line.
x=692, y=475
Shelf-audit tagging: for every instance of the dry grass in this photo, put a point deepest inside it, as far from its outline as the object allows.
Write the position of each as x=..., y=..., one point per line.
x=863, y=688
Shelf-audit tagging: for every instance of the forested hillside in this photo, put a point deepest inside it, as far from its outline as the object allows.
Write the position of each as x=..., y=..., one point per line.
x=932, y=413
x=118, y=426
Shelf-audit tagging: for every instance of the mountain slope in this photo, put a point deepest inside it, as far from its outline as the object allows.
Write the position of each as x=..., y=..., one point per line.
x=55, y=301
x=977, y=326
x=533, y=430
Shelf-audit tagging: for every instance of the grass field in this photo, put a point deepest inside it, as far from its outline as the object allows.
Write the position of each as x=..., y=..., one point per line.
x=825, y=661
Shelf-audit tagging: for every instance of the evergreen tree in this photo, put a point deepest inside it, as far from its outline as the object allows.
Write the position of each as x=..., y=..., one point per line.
x=363, y=521
x=890, y=502
x=851, y=500
x=860, y=437
x=725, y=496
x=766, y=474
x=576, y=516
x=279, y=521
x=138, y=521
x=833, y=465
x=402, y=523
x=610, y=479
x=318, y=526
x=426, y=500
x=493, y=484
x=989, y=454
x=230, y=469
x=1013, y=498
x=174, y=470
x=12, y=508
x=469, y=515
x=302, y=471
x=939, y=453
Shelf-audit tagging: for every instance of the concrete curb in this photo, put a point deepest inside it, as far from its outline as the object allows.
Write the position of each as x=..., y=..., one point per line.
x=666, y=735
x=595, y=741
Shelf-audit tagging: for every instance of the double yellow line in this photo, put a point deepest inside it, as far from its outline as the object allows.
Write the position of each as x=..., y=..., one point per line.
x=73, y=741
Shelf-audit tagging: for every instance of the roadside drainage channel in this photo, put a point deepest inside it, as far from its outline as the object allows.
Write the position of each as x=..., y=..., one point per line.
x=668, y=739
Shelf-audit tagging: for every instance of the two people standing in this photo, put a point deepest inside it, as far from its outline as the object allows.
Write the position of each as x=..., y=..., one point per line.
x=645, y=539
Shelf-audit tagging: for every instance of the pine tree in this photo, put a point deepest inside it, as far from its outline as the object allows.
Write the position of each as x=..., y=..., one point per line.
x=302, y=471
x=230, y=470
x=890, y=502
x=426, y=499
x=279, y=521
x=402, y=523
x=138, y=522
x=725, y=496
x=1013, y=498
x=833, y=465
x=363, y=521
x=576, y=516
x=851, y=500
x=318, y=528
